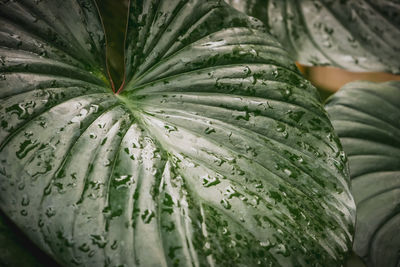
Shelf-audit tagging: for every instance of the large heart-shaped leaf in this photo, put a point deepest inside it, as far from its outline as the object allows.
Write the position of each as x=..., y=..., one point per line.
x=359, y=35
x=366, y=117
x=217, y=151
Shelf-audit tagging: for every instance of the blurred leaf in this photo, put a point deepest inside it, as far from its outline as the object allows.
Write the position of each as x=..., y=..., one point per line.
x=354, y=35
x=366, y=117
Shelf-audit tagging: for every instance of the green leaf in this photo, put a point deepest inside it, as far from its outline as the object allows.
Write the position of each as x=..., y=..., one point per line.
x=114, y=18
x=366, y=117
x=354, y=35
x=216, y=152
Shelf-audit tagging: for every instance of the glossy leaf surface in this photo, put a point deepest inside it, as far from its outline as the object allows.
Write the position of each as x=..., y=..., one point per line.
x=216, y=152
x=366, y=117
x=360, y=35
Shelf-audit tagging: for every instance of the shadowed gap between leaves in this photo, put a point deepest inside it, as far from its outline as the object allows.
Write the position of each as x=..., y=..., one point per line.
x=114, y=16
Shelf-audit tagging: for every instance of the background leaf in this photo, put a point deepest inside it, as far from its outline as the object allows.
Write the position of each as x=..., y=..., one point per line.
x=366, y=117
x=17, y=250
x=216, y=152
x=357, y=35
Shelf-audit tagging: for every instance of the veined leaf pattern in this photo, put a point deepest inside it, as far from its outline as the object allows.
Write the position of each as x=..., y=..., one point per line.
x=216, y=152
x=357, y=35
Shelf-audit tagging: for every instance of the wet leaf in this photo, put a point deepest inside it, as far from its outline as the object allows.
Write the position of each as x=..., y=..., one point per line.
x=217, y=151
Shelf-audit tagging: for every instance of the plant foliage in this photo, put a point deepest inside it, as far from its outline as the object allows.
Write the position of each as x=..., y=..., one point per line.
x=216, y=152
x=357, y=35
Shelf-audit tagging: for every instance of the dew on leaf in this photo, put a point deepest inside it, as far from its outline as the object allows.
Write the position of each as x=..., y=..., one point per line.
x=94, y=108
x=25, y=147
x=106, y=163
x=84, y=247
x=210, y=181
x=50, y=212
x=170, y=128
x=123, y=181
x=114, y=245
x=342, y=156
x=231, y=192
x=25, y=200
x=99, y=240
x=280, y=127
x=209, y=130
x=275, y=73
x=147, y=216
x=225, y=203
x=21, y=186
x=247, y=70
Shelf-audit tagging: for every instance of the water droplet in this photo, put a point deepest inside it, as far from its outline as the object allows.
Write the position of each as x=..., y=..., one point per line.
x=225, y=231
x=43, y=124
x=25, y=200
x=82, y=114
x=288, y=172
x=265, y=243
x=170, y=128
x=209, y=130
x=342, y=156
x=99, y=240
x=328, y=30
x=247, y=70
x=147, y=216
x=25, y=147
x=94, y=108
x=210, y=181
x=339, y=165
x=286, y=92
x=225, y=203
x=114, y=245
x=275, y=73
x=50, y=212
x=280, y=127
x=281, y=249
x=231, y=192
x=21, y=186
x=327, y=43
x=123, y=181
